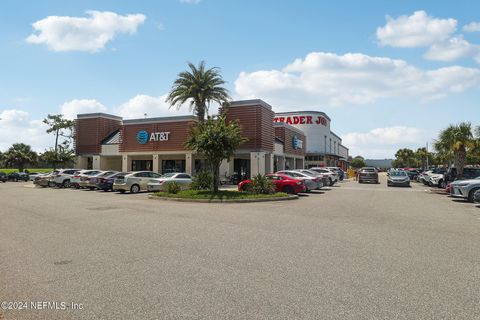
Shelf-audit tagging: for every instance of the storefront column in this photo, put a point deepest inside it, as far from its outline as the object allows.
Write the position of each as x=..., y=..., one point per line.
x=269, y=159
x=156, y=163
x=126, y=163
x=97, y=163
x=257, y=163
x=189, y=164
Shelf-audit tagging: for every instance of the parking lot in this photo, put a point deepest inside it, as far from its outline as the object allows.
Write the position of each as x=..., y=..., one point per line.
x=352, y=251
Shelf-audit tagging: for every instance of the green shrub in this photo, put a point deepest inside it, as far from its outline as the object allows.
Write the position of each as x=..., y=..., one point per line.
x=173, y=187
x=262, y=185
x=202, y=181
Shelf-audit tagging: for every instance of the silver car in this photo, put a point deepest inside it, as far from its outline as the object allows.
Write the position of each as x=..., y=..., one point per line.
x=465, y=188
x=311, y=183
x=322, y=178
x=332, y=176
x=183, y=179
x=90, y=181
x=134, y=181
x=398, y=178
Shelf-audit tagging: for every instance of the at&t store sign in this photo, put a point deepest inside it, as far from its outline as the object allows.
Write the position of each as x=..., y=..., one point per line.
x=143, y=136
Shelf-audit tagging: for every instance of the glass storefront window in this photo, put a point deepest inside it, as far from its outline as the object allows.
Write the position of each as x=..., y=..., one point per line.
x=173, y=166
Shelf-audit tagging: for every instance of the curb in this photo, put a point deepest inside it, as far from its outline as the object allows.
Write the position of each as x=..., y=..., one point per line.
x=290, y=197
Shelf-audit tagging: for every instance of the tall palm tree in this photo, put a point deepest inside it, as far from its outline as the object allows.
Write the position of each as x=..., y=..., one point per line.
x=199, y=86
x=455, y=141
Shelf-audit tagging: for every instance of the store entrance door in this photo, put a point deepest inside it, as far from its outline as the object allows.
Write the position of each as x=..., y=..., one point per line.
x=241, y=168
x=142, y=165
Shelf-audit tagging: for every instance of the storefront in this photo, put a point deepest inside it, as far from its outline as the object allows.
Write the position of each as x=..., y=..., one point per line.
x=104, y=141
x=324, y=147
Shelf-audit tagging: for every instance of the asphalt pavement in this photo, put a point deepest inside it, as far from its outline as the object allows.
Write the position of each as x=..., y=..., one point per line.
x=352, y=251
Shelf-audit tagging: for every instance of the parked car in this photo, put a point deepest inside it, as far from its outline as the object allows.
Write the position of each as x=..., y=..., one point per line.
x=340, y=172
x=33, y=175
x=448, y=188
x=333, y=176
x=105, y=183
x=437, y=180
x=465, y=188
x=17, y=176
x=427, y=175
x=368, y=174
x=412, y=173
x=3, y=177
x=468, y=173
x=183, y=179
x=90, y=181
x=324, y=180
x=63, y=178
x=82, y=174
x=134, y=181
x=45, y=179
x=476, y=196
x=398, y=178
x=282, y=183
x=311, y=183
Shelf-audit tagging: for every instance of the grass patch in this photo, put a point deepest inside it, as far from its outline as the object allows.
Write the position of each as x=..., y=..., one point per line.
x=7, y=171
x=220, y=195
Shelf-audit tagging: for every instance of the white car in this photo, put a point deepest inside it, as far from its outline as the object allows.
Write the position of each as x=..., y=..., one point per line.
x=436, y=179
x=332, y=175
x=323, y=179
x=183, y=179
x=63, y=178
x=79, y=174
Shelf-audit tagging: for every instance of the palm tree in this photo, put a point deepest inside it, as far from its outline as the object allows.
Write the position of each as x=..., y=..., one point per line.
x=200, y=87
x=19, y=155
x=455, y=141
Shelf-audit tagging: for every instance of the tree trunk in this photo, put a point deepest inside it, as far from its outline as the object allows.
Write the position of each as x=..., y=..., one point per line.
x=56, y=149
x=460, y=160
x=216, y=176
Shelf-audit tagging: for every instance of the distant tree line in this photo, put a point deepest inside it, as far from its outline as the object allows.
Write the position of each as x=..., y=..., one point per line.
x=457, y=145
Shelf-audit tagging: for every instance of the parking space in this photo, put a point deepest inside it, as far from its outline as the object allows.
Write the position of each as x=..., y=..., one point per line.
x=351, y=251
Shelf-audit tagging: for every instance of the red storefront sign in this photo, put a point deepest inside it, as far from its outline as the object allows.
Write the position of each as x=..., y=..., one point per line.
x=302, y=120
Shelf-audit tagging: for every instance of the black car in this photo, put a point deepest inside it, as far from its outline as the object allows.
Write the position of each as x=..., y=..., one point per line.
x=468, y=173
x=3, y=177
x=18, y=176
x=412, y=174
x=106, y=183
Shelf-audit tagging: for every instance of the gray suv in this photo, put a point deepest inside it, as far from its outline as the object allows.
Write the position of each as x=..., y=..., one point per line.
x=368, y=174
x=465, y=188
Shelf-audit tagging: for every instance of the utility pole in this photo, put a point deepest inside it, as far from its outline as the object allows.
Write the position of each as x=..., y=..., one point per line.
x=427, y=156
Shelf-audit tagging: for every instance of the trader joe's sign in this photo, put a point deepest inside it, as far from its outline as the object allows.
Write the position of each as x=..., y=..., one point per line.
x=318, y=120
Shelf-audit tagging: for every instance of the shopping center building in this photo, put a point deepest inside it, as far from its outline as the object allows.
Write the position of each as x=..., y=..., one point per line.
x=104, y=141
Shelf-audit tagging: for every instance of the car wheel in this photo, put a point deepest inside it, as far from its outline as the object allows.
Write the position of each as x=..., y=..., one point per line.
x=288, y=189
x=135, y=188
x=442, y=184
x=330, y=182
x=471, y=193
x=91, y=188
x=66, y=184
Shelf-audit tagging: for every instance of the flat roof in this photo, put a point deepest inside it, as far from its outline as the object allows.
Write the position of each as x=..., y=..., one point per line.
x=253, y=102
x=98, y=115
x=160, y=119
x=299, y=112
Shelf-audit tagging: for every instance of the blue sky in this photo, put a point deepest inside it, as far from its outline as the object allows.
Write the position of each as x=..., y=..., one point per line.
x=390, y=74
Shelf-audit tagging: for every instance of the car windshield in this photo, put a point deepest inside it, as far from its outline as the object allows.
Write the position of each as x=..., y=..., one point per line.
x=398, y=174
x=368, y=169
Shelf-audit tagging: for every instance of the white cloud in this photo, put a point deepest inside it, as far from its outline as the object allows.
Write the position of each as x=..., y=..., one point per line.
x=91, y=34
x=452, y=49
x=354, y=78
x=382, y=143
x=143, y=104
x=417, y=30
x=16, y=126
x=472, y=27
x=70, y=109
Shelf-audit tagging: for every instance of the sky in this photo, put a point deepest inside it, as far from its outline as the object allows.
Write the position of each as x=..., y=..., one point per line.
x=390, y=74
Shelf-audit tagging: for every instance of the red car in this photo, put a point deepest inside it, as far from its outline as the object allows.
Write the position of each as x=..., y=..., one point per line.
x=282, y=182
x=448, y=188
